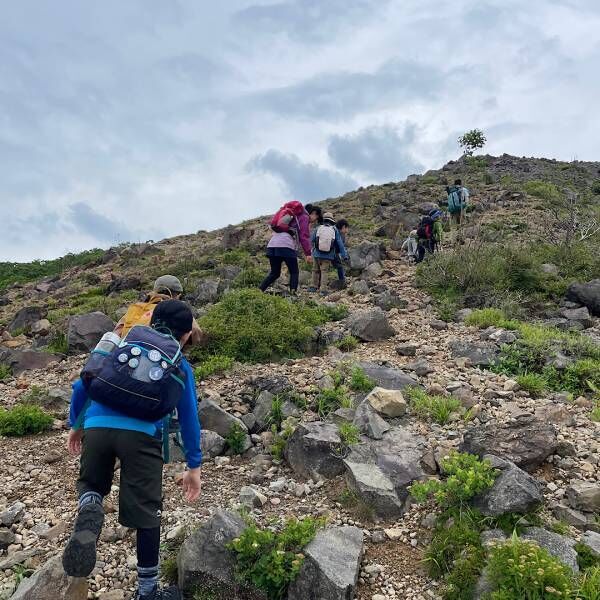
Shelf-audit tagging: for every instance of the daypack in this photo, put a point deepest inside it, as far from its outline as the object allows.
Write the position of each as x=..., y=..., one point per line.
x=455, y=199
x=139, y=313
x=325, y=238
x=141, y=377
x=425, y=228
x=285, y=216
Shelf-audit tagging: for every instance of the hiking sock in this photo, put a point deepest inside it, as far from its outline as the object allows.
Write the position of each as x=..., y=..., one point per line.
x=147, y=580
x=89, y=498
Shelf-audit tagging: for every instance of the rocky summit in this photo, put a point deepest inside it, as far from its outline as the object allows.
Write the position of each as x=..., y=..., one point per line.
x=489, y=348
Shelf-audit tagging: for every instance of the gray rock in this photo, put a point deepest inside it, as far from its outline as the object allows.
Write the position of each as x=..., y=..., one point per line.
x=7, y=537
x=570, y=515
x=489, y=537
x=388, y=300
x=206, y=292
x=359, y=287
x=478, y=354
x=372, y=272
x=421, y=367
x=370, y=325
x=549, y=269
x=587, y=294
x=331, y=567
x=363, y=255
x=214, y=418
x=438, y=325
x=203, y=558
x=375, y=489
x=263, y=407
x=388, y=377
x=25, y=318
x=343, y=415
x=390, y=403
x=85, y=331
x=312, y=450
x=211, y=443
x=249, y=421
x=251, y=497
x=21, y=361
x=526, y=443
x=50, y=581
x=41, y=328
x=462, y=314
x=369, y=422
x=581, y=315
x=584, y=495
x=591, y=539
x=13, y=514
x=16, y=558
x=514, y=490
x=406, y=349
x=275, y=384
x=559, y=546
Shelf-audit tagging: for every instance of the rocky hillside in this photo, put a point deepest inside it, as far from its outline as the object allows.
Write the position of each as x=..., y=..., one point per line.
x=405, y=368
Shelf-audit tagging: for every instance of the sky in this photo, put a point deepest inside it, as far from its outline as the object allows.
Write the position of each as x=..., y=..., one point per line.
x=130, y=120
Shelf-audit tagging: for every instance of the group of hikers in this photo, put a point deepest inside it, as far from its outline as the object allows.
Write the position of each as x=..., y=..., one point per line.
x=137, y=378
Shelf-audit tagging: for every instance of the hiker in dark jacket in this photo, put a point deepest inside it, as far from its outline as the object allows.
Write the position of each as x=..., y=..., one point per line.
x=102, y=435
x=344, y=228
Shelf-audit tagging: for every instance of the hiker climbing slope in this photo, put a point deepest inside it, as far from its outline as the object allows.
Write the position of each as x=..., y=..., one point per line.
x=458, y=198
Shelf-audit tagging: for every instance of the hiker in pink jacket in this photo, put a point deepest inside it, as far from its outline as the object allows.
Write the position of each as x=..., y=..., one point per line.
x=290, y=234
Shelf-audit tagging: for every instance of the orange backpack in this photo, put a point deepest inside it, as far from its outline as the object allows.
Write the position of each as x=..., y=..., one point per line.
x=139, y=313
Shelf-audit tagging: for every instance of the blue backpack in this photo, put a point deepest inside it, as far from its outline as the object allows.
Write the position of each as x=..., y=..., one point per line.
x=455, y=196
x=140, y=377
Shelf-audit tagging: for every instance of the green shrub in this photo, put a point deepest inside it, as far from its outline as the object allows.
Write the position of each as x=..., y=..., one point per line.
x=586, y=559
x=270, y=560
x=251, y=326
x=236, y=438
x=24, y=419
x=436, y=408
x=276, y=413
x=250, y=277
x=349, y=434
x=533, y=383
x=235, y=256
x=589, y=585
x=521, y=569
x=212, y=365
x=466, y=476
x=347, y=344
x=542, y=189
x=596, y=187
x=330, y=399
x=595, y=413
x=359, y=381
x=5, y=372
x=490, y=317
x=279, y=441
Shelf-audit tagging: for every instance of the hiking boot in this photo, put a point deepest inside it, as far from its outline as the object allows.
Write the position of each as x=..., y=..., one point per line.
x=170, y=593
x=79, y=557
x=312, y=290
x=324, y=293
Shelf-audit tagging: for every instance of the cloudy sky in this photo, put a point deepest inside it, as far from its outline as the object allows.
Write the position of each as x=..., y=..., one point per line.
x=127, y=120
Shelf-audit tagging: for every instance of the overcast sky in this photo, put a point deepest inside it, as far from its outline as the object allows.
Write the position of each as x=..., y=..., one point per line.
x=128, y=120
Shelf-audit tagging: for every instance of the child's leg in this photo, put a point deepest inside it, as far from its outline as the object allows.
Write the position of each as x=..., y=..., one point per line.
x=324, y=267
x=316, y=274
x=95, y=478
x=140, y=501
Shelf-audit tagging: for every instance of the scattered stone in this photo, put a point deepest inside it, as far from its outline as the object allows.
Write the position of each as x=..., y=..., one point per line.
x=369, y=422
x=421, y=367
x=359, y=287
x=41, y=327
x=370, y=325
x=390, y=403
x=388, y=300
x=50, y=581
x=13, y=514
x=587, y=294
x=331, y=566
x=579, y=315
x=571, y=516
x=213, y=417
x=438, y=325
x=482, y=355
x=363, y=255
x=584, y=496
x=406, y=349
x=388, y=377
x=7, y=537
x=252, y=498
x=25, y=318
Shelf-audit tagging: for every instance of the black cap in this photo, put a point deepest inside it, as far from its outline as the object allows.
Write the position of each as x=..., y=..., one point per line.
x=174, y=316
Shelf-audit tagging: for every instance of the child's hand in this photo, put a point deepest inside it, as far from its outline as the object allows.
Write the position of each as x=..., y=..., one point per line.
x=74, y=441
x=192, y=484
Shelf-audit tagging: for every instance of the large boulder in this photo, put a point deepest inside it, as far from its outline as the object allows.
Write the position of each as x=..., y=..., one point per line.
x=331, y=566
x=587, y=294
x=50, y=581
x=263, y=408
x=370, y=325
x=363, y=255
x=20, y=361
x=514, y=491
x=390, y=403
x=387, y=377
x=559, y=546
x=213, y=417
x=482, y=355
x=206, y=292
x=313, y=450
x=369, y=422
x=578, y=315
x=525, y=443
x=591, y=540
x=85, y=331
x=211, y=444
x=204, y=558
x=398, y=456
x=584, y=495
x=25, y=318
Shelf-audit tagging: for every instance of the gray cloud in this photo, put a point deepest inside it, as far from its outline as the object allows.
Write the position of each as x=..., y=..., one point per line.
x=98, y=226
x=304, y=181
x=380, y=153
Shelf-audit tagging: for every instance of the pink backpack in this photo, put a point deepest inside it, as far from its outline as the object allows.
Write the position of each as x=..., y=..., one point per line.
x=285, y=216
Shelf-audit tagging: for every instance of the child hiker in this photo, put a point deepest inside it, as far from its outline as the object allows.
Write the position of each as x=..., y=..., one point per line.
x=101, y=435
x=326, y=240
x=344, y=228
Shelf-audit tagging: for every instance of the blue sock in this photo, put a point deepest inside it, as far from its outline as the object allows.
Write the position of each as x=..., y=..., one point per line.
x=90, y=498
x=147, y=579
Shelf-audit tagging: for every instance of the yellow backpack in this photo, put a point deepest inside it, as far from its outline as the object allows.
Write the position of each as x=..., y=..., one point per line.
x=139, y=313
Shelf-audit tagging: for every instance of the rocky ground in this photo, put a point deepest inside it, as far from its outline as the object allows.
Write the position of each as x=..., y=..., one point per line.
x=38, y=473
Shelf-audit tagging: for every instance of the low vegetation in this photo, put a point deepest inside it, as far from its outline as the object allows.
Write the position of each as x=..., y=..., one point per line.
x=347, y=343
x=213, y=365
x=24, y=419
x=349, y=434
x=330, y=399
x=270, y=560
x=436, y=408
x=5, y=372
x=236, y=439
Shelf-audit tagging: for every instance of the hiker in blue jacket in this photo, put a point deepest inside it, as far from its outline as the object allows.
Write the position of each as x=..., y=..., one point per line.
x=101, y=435
x=326, y=243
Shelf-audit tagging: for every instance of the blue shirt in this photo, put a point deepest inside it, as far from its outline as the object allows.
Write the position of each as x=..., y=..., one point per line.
x=98, y=415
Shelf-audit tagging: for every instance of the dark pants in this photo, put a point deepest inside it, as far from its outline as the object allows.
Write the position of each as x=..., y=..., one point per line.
x=339, y=265
x=278, y=256
x=424, y=246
